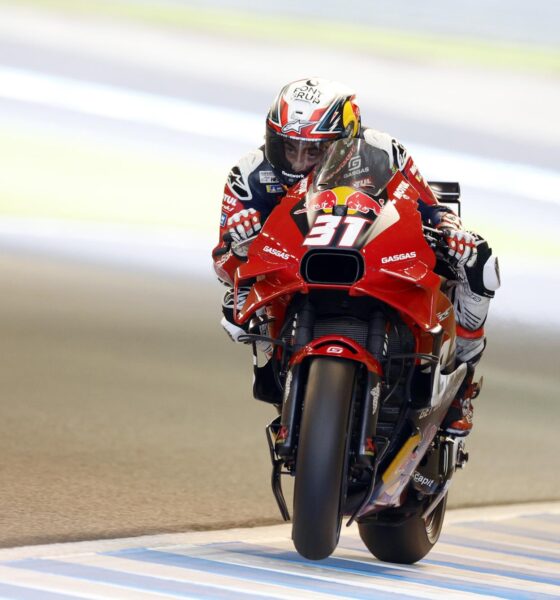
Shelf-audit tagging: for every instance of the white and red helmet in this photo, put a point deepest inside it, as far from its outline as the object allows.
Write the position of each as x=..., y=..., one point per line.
x=304, y=118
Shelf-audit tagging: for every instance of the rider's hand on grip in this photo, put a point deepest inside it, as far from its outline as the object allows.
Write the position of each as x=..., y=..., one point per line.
x=461, y=247
x=243, y=226
x=450, y=220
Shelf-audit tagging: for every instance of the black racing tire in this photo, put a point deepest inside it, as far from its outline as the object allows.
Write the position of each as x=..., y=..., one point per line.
x=406, y=541
x=321, y=460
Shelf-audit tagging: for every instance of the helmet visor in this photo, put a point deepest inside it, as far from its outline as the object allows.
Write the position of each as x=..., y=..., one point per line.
x=294, y=158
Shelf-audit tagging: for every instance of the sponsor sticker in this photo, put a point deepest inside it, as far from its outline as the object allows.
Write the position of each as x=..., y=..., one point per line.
x=268, y=177
x=223, y=220
x=422, y=480
x=355, y=163
x=238, y=185
x=425, y=412
x=375, y=393
x=297, y=125
x=334, y=350
x=275, y=252
x=287, y=386
x=400, y=155
x=229, y=200
x=398, y=257
x=275, y=188
x=308, y=93
x=441, y=316
x=400, y=192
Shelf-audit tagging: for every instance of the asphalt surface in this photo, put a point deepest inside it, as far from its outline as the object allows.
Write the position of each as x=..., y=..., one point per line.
x=127, y=411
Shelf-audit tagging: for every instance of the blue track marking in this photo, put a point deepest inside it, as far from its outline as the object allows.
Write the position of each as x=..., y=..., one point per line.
x=146, y=583
x=374, y=569
x=543, y=517
x=8, y=590
x=269, y=576
x=501, y=547
x=502, y=572
x=500, y=527
x=468, y=564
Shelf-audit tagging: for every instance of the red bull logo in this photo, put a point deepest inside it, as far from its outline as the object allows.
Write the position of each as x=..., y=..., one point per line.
x=362, y=203
x=355, y=200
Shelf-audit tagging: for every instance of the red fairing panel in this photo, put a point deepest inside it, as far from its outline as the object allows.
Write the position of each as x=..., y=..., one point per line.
x=414, y=177
x=400, y=265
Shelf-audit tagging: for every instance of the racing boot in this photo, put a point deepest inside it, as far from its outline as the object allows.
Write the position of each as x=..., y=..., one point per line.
x=459, y=418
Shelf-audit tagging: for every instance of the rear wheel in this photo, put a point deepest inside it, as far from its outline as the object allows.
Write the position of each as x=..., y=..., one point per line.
x=403, y=541
x=322, y=457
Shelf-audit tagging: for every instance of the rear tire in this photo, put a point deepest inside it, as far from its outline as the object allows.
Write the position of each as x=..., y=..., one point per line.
x=403, y=542
x=321, y=460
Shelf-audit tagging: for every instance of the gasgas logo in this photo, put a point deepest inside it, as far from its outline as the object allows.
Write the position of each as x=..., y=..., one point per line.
x=335, y=350
x=398, y=257
x=275, y=252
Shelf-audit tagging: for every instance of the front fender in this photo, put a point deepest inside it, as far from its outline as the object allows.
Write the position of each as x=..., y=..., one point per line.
x=335, y=346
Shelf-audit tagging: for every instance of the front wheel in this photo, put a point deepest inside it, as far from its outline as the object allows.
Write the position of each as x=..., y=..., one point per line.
x=321, y=460
x=403, y=541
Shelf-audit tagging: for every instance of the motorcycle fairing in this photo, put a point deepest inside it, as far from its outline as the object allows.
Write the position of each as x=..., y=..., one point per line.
x=407, y=284
x=425, y=423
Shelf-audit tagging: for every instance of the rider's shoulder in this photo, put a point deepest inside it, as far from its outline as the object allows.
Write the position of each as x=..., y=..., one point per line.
x=251, y=161
x=377, y=138
x=240, y=180
x=396, y=151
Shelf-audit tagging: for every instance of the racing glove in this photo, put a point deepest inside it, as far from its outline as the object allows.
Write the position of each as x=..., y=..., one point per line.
x=243, y=227
x=476, y=285
x=462, y=247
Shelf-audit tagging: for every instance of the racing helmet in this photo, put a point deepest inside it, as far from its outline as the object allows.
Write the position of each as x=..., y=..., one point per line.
x=306, y=116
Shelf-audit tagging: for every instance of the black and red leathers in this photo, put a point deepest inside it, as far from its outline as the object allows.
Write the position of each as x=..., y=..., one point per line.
x=253, y=184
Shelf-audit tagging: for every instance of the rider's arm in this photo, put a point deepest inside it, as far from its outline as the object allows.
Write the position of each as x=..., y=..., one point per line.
x=250, y=194
x=225, y=261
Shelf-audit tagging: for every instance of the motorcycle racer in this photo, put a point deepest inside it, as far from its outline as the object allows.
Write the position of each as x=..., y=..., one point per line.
x=304, y=119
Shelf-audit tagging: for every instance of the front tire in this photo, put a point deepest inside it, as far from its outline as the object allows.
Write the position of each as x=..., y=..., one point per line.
x=321, y=460
x=405, y=541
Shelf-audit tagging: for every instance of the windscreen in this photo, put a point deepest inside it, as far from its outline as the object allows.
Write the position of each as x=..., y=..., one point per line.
x=354, y=163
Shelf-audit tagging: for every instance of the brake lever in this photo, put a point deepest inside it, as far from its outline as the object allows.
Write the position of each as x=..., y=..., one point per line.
x=228, y=240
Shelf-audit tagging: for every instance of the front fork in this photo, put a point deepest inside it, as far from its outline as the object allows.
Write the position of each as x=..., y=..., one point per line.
x=282, y=433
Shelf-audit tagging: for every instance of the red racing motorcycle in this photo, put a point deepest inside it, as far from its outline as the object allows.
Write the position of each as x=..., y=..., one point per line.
x=362, y=368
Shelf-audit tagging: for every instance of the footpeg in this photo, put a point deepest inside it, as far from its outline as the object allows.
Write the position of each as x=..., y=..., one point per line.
x=476, y=387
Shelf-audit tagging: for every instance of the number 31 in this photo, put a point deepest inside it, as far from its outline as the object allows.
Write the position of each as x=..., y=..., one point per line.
x=326, y=226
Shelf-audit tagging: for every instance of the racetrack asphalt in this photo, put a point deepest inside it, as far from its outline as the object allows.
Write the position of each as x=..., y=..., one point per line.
x=127, y=411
